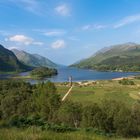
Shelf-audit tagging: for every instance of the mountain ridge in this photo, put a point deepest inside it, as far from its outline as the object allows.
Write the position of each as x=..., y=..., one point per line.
x=9, y=62
x=35, y=60
x=111, y=58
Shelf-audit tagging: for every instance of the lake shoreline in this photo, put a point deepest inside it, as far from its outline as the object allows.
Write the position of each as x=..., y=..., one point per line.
x=78, y=75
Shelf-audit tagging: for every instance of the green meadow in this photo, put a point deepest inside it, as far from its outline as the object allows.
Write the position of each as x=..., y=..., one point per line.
x=101, y=90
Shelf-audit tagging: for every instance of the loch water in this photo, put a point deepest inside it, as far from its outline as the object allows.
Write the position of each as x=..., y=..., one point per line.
x=77, y=75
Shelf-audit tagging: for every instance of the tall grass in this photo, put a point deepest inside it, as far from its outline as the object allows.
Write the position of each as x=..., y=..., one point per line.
x=34, y=133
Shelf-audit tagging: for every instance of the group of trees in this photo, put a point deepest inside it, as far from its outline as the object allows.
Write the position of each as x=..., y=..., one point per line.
x=24, y=105
x=111, y=67
x=41, y=72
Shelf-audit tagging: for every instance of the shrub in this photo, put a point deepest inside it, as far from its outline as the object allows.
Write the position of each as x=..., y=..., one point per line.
x=126, y=82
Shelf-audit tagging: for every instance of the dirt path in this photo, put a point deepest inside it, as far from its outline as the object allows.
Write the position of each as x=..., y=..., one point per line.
x=67, y=93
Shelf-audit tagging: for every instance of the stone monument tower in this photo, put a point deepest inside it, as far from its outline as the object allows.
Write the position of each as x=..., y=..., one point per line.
x=70, y=81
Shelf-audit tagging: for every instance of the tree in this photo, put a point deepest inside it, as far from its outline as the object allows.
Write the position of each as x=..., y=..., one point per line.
x=49, y=101
x=109, y=110
x=70, y=114
x=90, y=115
x=124, y=123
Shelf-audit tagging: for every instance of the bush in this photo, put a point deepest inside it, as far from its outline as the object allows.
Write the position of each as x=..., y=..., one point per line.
x=126, y=82
x=17, y=121
x=59, y=128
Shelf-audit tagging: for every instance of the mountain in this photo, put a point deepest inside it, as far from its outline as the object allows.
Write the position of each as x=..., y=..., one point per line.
x=33, y=59
x=9, y=62
x=123, y=57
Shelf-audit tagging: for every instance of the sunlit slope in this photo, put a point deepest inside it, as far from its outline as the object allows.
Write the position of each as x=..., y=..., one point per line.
x=123, y=57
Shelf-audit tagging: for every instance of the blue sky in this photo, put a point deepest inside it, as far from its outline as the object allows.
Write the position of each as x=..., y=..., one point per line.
x=66, y=31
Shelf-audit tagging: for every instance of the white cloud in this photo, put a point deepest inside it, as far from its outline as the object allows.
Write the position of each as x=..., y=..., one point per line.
x=21, y=39
x=58, y=44
x=93, y=27
x=25, y=40
x=127, y=20
x=99, y=26
x=13, y=47
x=4, y=33
x=34, y=6
x=86, y=27
x=62, y=10
x=73, y=38
x=51, y=32
x=54, y=33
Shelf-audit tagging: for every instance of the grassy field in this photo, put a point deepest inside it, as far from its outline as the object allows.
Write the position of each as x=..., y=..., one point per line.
x=85, y=94
x=102, y=90
x=37, y=134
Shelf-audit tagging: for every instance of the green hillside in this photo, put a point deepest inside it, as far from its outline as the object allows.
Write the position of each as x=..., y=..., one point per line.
x=124, y=57
x=33, y=59
x=9, y=62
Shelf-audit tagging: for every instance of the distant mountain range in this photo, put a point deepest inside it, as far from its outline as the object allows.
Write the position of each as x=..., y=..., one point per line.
x=18, y=61
x=10, y=63
x=34, y=60
x=123, y=57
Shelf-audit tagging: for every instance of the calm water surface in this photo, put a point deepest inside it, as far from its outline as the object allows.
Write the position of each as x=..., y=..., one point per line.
x=78, y=75
x=81, y=75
